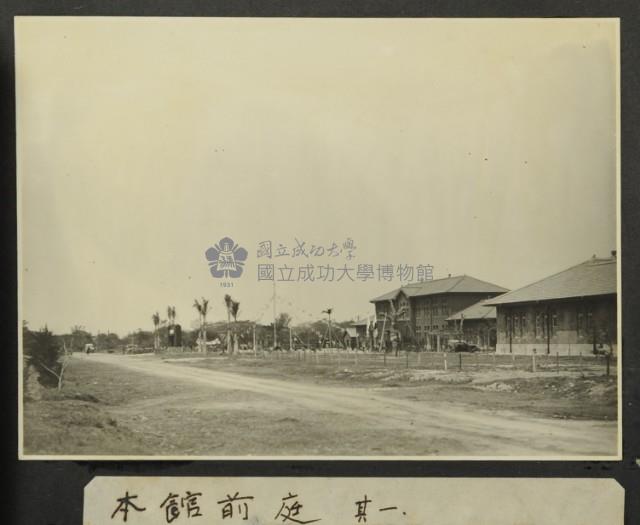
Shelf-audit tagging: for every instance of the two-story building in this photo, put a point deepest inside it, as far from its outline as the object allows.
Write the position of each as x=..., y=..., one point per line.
x=419, y=311
x=572, y=312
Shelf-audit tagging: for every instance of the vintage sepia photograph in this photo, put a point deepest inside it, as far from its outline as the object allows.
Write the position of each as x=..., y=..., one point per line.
x=318, y=238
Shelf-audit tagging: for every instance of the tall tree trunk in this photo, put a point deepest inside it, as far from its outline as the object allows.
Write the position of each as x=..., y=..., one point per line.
x=235, y=338
x=229, y=347
x=204, y=332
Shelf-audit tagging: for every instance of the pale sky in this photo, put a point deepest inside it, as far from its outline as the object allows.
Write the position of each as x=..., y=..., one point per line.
x=481, y=147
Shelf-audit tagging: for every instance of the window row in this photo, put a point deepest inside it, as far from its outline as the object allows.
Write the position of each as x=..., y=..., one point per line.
x=545, y=323
x=425, y=311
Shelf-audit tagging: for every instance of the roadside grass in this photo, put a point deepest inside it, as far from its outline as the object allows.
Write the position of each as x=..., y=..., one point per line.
x=77, y=419
x=107, y=410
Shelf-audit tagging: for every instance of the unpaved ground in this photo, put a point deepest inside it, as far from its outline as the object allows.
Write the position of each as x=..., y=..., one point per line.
x=572, y=392
x=172, y=409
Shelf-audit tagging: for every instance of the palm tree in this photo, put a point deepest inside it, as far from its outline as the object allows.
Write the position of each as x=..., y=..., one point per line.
x=156, y=323
x=235, y=308
x=232, y=311
x=203, y=308
x=171, y=315
x=395, y=314
x=328, y=312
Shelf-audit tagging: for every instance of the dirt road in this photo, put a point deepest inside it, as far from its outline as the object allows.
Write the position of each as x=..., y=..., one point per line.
x=456, y=429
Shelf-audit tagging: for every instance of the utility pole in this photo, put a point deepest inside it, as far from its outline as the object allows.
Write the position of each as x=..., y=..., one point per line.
x=275, y=329
x=548, y=323
x=254, y=338
x=328, y=312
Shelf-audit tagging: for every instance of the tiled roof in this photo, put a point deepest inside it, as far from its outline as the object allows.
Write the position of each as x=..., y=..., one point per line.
x=457, y=284
x=385, y=297
x=478, y=310
x=590, y=278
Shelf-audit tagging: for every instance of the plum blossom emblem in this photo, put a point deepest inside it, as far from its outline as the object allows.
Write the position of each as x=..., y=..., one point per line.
x=226, y=259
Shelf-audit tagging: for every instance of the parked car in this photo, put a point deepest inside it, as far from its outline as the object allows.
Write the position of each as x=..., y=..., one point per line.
x=602, y=349
x=462, y=346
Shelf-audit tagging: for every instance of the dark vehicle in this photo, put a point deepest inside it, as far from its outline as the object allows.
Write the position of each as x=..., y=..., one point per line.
x=462, y=346
x=602, y=349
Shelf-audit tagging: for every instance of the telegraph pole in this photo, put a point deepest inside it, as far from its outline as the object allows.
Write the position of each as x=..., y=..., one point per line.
x=328, y=312
x=254, y=338
x=275, y=329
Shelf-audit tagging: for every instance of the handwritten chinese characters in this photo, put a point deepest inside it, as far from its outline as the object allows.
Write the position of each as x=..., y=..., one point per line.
x=234, y=506
x=301, y=248
x=174, y=505
x=362, y=509
x=123, y=504
x=369, y=500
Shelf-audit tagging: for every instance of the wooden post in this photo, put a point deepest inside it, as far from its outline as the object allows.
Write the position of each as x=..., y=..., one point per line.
x=407, y=354
x=533, y=362
x=255, y=349
x=445, y=361
x=557, y=363
x=419, y=358
x=608, y=357
x=384, y=356
x=460, y=362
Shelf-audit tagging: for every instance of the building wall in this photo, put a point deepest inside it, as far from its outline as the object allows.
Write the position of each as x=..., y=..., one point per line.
x=425, y=322
x=480, y=332
x=565, y=327
x=431, y=312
